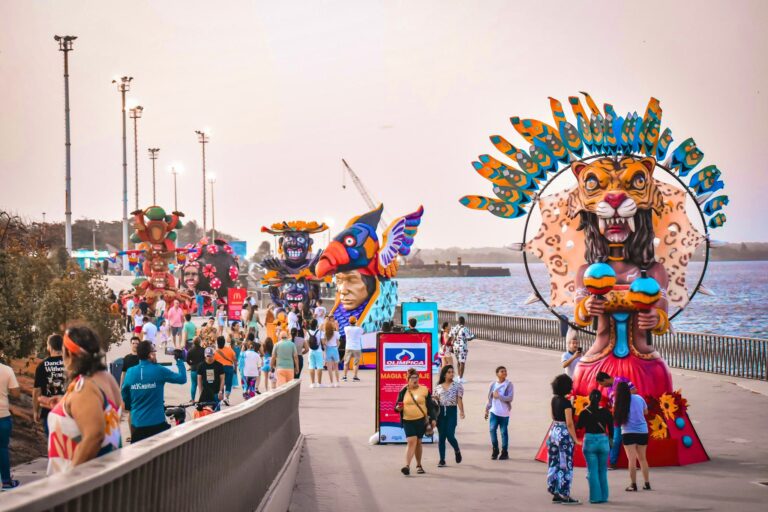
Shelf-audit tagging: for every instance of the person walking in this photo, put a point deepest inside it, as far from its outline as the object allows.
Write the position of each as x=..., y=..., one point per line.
x=611, y=383
x=195, y=357
x=160, y=307
x=176, y=319
x=226, y=357
x=87, y=419
x=293, y=318
x=50, y=381
x=221, y=319
x=498, y=406
x=131, y=359
x=353, y=351
x=450, y=398
x=128, y=311
x=138, y=322
x=210, y=378
x=629, y=412
x=597, y=423
x=251, y=370
x=460, y=337
x=163, y=334
x=188, y=331
x=149, y=330
x=254, y=322
x=571, y=357
x=285, y=360
x=236, y=339
x=266, y=369
x=298, y=339
x=446, y=348
x=9, y=387
x=200, y=301
x=316, y=344
x=331, y=339
x=144, y=389
x=415, y=405
x=560, y=443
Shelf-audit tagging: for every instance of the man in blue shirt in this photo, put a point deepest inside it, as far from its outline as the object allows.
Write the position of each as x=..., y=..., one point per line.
x=143, y=390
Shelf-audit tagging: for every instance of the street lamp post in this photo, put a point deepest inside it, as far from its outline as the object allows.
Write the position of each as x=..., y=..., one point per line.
x=136, y=115
x=212, y=180
x=175, y=173
x=153, y=156
x=65, y=45
x=203, y=138
x=123, y=86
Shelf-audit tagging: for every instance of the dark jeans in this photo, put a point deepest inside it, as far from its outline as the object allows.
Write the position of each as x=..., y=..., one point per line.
x=193, y=387
x=301, y=367
x=616, y=448
x=6, y=426
x=139, y=433
x=229, y=373
x=500, y=423
x=446, y=429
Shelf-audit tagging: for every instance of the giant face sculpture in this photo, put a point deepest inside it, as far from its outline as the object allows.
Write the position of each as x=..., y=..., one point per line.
x=212, y=267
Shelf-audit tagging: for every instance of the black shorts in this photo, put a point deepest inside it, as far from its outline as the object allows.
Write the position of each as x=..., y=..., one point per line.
x=414, y=428
x=630, y=439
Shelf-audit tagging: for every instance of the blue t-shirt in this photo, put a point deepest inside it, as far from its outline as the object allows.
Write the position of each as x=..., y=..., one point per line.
x=636, y=423
x=143, y=391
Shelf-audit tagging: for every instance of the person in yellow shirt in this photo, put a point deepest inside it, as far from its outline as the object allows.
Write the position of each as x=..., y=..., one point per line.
x=415, y=405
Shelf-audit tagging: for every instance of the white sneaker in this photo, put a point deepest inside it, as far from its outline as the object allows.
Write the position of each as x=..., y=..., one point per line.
x=312, y=385
x=335, y=384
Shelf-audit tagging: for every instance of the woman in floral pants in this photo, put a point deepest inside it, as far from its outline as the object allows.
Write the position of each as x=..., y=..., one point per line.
x=561, y=441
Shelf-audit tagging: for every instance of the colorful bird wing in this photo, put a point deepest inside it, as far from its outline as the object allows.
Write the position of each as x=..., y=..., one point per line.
x=497, y=171
x=664, y=141
x=521, y=157
x=569, y=134
x=715, y=204
x=398, y=239
x=543, y=135
x=499, y=208
x=706, y=180
x=685, y=157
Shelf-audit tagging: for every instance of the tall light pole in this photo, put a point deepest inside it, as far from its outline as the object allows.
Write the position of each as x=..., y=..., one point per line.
x=65, y=45
x=175, y=173
x=212, y=180
x=203, y=138
x=123, y=86
x=136, y=115
x=153, y=156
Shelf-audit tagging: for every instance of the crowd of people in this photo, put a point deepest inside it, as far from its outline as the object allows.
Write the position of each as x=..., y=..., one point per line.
x=79, y=403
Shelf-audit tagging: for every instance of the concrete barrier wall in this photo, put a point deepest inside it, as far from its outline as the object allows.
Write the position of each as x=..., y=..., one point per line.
x=240, y=459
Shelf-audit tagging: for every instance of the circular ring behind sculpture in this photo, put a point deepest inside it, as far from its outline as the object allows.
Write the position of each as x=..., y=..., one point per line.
x=687, y=190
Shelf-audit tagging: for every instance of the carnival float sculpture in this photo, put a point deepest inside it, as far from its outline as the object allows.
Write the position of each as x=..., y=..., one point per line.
x=365, y=268
x=289, y=276
x=210, y=270
x=616, y=244
x=155, y=234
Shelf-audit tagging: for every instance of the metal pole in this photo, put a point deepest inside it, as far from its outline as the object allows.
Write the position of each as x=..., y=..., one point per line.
x=123, y=85
x=136, y=156
x=175, y=195
x=65, y=45
x=153, y=156
x=213, y=214
x=203, y=141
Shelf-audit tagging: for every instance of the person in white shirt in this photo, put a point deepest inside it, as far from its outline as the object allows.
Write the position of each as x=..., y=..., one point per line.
x=319, y=312
x=251, y=371
x=500, y=395
x=160, y=310
x=149, y=330
x=293, y=320
x=331, y=341
x=316, y=345
x=353, y=351
x=9, y=386
x=570, y=358
x=138, y=321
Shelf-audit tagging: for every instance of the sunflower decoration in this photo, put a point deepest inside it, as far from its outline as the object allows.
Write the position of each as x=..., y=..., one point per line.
x=579, y=403
x=682, y=403
x=658, y=428
x=654, y=406
x=668, y=406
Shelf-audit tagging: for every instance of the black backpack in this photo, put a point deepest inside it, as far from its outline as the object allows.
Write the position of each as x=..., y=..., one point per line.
x=313, y=344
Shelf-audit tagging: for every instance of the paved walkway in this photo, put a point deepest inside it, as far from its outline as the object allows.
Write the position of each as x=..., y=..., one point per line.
x=340, y=471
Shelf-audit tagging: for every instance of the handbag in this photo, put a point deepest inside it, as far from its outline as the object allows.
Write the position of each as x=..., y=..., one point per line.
x=430, y=431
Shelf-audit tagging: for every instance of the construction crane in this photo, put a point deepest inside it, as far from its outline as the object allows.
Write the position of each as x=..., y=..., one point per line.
x=360, y=188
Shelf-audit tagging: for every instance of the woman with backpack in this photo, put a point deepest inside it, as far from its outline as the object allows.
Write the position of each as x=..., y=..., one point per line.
x=331, y=343
x=417, y=416
x=596, y=422
x=316, y=344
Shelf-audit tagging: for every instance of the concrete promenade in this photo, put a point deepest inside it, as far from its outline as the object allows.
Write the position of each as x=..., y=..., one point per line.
x=340, y=471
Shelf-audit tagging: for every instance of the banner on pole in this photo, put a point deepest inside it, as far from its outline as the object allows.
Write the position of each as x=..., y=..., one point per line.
x=397, y=352
x=425, y=314
x=235, y=300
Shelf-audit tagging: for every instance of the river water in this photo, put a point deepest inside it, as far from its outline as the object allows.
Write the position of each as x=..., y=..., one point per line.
x=739, y=308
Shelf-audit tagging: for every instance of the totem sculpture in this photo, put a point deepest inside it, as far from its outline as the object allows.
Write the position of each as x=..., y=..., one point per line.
x=211, y=268
x=616, y=245
x=155, y=234
x=364, y=270
x=289, y=276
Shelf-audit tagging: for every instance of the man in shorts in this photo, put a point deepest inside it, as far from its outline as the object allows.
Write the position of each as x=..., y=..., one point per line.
x=461, y=336
x=175, y=316
x=354, y=348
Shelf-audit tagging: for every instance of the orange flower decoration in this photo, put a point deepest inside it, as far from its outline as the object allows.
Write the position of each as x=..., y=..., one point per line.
x=579, y=403
x=668, y=406
x=658, y=428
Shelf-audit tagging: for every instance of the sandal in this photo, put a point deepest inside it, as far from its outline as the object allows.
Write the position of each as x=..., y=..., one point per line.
x=420, y=470
x=631, y=488
x=406, y=470
x=10, y=484
x=647, y=486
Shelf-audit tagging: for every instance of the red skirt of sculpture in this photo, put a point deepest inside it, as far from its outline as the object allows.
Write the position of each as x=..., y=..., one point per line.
x=672, y=439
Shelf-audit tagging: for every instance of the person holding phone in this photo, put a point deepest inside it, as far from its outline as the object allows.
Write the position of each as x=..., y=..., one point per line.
x=417, y=416
x=572, y=355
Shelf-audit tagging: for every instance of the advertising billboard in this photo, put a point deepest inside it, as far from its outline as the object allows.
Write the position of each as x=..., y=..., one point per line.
x=425, y=314
x=235, y=300
x=396, y=353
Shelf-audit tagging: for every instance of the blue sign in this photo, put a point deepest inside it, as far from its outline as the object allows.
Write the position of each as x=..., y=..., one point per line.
x=240, y=247
x=425, y=314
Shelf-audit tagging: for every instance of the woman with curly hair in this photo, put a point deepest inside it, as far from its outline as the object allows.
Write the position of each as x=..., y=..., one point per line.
x=560, y=443
x=85, y=423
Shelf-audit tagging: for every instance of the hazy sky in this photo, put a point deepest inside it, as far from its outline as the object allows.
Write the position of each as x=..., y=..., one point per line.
x=408, y=92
